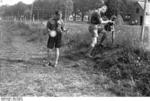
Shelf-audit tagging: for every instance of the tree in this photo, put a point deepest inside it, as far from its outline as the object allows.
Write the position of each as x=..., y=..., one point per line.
x=66, y=6
x=116, y=7
x=82, y=6
x=112, y=7
x=17, y=10
x=45, y=8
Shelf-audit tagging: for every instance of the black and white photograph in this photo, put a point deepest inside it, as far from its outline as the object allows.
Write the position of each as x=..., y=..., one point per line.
x=74, y=48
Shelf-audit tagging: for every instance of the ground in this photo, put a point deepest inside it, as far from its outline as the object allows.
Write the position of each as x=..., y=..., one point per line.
x=23, y=71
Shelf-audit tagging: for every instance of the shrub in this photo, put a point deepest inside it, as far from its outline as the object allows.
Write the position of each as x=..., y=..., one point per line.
x=130, y=65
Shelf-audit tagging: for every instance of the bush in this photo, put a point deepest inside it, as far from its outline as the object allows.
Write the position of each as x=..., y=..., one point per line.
x=130, y=65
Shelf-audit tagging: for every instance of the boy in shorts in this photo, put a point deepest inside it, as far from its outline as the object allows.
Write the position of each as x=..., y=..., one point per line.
x=55, y=24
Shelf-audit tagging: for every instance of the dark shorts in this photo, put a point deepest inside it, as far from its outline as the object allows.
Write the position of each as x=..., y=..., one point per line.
x=54, y=42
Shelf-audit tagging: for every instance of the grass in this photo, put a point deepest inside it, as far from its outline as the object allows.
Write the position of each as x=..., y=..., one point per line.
x=23, y=70
x=79, y=36
x=124, y=66
x=128, y=69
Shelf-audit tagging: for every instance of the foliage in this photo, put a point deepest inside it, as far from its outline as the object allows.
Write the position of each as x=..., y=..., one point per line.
x=43, y=9
x=112, y=7
x=128, y=68
x=116, y=7
x=83, y=6
x=17, y=10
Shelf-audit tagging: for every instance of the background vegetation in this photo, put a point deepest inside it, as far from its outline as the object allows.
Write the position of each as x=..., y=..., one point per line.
x=43, y=9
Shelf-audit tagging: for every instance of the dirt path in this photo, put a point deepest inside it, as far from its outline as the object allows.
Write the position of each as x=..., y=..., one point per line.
x=23, y=72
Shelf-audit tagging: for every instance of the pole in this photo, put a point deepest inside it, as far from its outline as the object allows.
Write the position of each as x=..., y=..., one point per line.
x=65, y=14
x=143, y=25
x=118, y=8
x=31, y=11
x=1, y=34
x=38, y=15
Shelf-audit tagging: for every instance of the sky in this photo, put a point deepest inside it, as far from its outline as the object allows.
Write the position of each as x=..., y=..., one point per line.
x=12, y=2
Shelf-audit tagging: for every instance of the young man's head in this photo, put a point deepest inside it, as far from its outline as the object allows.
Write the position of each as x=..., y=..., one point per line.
x=58, y=14
x=103, y=9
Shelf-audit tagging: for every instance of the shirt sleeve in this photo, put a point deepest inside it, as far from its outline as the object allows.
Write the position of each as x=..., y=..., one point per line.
x=48, y=25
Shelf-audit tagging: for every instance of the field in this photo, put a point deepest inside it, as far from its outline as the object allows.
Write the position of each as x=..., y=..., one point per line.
x=121, y=69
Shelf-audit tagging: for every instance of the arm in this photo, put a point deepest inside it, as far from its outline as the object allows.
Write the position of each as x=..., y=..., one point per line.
x=48, y=30
x=47, y=27
x=63, y=26
x=105, y=22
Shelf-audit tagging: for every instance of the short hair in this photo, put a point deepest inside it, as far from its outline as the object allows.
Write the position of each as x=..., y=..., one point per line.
x=58, y=12
x=100, y=4
x=104, y=6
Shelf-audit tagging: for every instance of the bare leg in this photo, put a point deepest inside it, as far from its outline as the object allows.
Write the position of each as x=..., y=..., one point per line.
x=48, y=56
x=95, y=35
x=113, y=36
x=94, y=42
x=90, y=51
x=57, y=56
x=103, y=37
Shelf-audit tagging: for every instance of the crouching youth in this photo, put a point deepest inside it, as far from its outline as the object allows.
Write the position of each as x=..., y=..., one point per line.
x=97, y=27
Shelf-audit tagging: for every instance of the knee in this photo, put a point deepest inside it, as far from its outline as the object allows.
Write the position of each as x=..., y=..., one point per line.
x=57, y=51
x=94, y=42
x=95, y=32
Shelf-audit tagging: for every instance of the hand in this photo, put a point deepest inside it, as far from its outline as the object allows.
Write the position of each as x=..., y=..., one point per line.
x=66, y=30
x=48, y=30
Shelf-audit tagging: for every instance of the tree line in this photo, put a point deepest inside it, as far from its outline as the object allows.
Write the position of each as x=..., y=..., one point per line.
x=44, y=9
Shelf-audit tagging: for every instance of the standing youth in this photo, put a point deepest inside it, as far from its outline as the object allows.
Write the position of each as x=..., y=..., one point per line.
x=55, y=28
